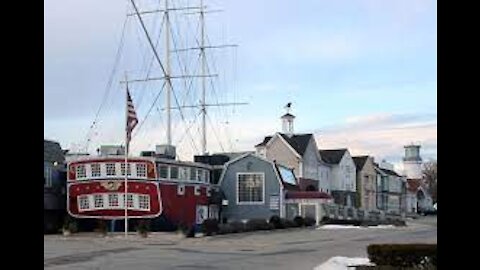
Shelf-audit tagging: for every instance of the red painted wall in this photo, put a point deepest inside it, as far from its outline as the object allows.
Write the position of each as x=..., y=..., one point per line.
x=181, y=209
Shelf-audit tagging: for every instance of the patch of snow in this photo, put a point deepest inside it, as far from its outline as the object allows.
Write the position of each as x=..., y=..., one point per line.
x=336, y=227
x=342, y=263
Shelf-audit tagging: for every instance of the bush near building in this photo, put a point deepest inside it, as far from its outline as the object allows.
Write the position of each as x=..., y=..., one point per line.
x=277, y=223
x=210, y=227
x=257, y=224
x=310, y=221
x=299, y=221
x=403, y=255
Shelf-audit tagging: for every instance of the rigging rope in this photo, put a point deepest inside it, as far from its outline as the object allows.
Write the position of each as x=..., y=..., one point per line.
x=108, y=86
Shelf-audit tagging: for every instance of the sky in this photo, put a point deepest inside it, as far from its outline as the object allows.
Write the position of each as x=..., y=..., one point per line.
x=361, y=74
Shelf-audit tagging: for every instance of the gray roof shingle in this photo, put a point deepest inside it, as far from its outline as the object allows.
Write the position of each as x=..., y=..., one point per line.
x=299, y=142
x=332, y=156
x=360, y=162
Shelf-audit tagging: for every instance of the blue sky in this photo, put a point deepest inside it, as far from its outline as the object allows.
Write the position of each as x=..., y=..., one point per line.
x=361, y=74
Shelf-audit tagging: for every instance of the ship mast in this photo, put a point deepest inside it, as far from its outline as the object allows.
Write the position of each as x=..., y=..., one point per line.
x=166, y=70
x=167, y=75
x=204, y=63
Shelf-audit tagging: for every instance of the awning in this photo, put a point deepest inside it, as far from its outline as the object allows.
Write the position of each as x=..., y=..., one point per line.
x=307, y=195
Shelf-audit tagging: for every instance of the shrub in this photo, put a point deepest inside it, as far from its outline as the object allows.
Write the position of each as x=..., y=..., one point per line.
x=277, y=222
x=403, y=255
x=399, y=223
x=70, y=225
x=102, y=226
x=143, y=227
x=225, y=229
x=210, y=226
x=257, y=224
x=288, y=223
x=190, y=232
x=299, y=221
x=237, y=227
x=309, y=221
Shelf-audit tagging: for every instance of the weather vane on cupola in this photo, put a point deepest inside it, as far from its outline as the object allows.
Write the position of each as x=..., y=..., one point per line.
x=287, y=120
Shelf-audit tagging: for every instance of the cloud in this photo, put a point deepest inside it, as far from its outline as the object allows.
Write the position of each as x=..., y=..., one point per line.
x=382, y=135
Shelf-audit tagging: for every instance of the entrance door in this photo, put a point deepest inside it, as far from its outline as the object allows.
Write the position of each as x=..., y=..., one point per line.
x=309, y=210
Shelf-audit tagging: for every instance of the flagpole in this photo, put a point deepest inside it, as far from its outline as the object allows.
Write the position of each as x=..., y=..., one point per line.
x=126, y=157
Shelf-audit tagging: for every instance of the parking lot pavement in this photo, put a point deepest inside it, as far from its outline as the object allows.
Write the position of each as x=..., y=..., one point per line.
x=281, y=249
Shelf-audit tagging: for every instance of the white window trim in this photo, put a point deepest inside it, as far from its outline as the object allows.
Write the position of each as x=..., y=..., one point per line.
x=85, y=169
x=143, y=209
x=106, y=170
x=263, y=184
x=183, y=190
x=168, y=171
x=91, y=170
x=197, y=190
x=106, y=202
x=136, y=170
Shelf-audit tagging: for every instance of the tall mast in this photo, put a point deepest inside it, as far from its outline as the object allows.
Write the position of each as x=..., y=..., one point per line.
x=167, y=75
x=204, y=63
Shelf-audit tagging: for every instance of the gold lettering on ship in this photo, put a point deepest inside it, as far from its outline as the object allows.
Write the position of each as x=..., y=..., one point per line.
x=111, y=185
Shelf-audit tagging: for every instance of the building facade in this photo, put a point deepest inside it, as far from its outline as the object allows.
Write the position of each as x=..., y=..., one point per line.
x=343, y=175
x=256, y=188
x=366, y=182
x=391, y=189
x=54, y=186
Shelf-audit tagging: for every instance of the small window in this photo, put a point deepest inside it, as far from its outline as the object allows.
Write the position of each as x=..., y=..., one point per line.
x=193, y=174
x=113, y=200
x=163, y=171
x=144, y=202
x=141, y=170
x=129, y=169
x=197, y=191
x=183, y=173
x=200, y=176
x=207, y=176
x=83, y=203
x=129, y=200
x=174, y=172
x=95, y=167
x=111, y=169
x=81, y=171
x=98, y=200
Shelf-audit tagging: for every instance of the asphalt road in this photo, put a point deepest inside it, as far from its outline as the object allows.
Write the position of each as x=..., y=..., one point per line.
x=284, y=249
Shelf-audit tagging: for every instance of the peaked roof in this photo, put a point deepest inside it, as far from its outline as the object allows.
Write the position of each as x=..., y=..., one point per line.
x=233, y=155
x=265, y=141
x=332, y=156
x=390, y=172
x=299, y=142
x=360, y=162
x=288, y=115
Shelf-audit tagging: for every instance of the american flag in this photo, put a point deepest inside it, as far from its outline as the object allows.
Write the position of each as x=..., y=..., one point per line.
x=132, y=119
